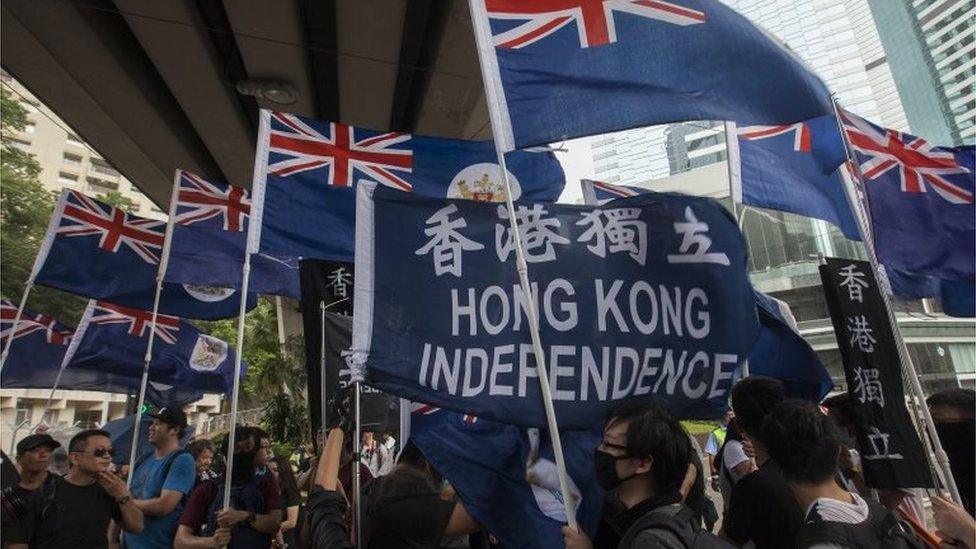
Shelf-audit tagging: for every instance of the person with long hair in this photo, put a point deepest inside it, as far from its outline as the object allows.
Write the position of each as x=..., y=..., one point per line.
x=280, y=467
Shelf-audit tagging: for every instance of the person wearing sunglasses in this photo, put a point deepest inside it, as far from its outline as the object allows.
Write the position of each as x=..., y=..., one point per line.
x=75, y=511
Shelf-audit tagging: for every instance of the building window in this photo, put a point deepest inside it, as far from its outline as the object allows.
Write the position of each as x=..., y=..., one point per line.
x=23, y=413
x=28, y=106
x=21, y=144
x=29, y=127
x=71, y=159
x=50, y=417
x=75, y=140
x=102, y=167
x=101, y=186
x=67, y=178
x=88, y=419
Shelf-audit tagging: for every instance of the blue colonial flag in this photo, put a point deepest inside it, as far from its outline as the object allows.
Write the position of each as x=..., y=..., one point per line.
x=304, y=203
x=558, y=69
x=208, y=236
x=113, y=339
x=100, y=251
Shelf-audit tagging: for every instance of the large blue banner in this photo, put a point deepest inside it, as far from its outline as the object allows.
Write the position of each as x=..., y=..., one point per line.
x=646, y=297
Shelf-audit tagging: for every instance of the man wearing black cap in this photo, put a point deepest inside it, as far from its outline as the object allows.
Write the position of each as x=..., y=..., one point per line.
x=33, y=456
x=161, y=479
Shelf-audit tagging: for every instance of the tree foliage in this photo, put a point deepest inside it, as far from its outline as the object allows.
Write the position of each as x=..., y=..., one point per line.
x=25, y=211
x=115, y=198
x=271, y=370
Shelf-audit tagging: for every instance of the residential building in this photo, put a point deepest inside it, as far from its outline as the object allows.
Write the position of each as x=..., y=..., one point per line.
x=68, y=162
x=930, y=47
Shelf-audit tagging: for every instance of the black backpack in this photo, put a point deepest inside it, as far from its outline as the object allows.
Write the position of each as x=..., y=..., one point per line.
x=676, y=520
x=882, y=529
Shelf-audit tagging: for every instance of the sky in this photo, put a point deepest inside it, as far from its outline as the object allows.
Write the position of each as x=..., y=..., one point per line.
x=577, y=162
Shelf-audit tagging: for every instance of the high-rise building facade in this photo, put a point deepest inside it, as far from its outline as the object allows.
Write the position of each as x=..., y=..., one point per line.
x=930, y=47
x=839, y=41
x=66, y=160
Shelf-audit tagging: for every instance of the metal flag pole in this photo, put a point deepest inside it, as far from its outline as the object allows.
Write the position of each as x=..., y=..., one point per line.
x=733, y=168
x=143, y=384
x=356, y=460
x=160, y=273
x=859, y=208
x=253, y=235
x=232, y=420
x=323, y=412
x=493, y=96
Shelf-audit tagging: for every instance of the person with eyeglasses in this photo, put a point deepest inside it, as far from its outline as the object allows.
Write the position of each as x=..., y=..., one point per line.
x=161, y=480
x=74, y=511
x=642, y=463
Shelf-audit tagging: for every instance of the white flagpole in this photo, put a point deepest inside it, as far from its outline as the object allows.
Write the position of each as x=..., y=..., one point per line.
x=52, y=229
x=323, y=413
x=734, y=169
x=356, y=461
x=253, y=238
x=859, y=208
x=493, y=97
x=160, y=273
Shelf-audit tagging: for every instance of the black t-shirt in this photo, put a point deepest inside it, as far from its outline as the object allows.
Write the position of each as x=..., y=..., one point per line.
x=75, y=517
x=762, y=508
x=404, y=510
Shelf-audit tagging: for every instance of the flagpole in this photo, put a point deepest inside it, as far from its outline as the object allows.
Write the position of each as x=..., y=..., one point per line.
x=492, y=96
x=13, y=329
x=232, y=420
x=356, y=461
x=733, y=168
x=142, y=386
x=160, y=274
x=323, y=413
x=859, y=208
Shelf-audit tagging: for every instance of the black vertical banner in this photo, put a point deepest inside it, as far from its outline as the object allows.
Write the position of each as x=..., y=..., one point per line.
x=328, y=282
x=891, y=452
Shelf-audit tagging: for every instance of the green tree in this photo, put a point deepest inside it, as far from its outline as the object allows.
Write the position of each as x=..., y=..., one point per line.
x=275, y=377
x=115, y=198
x=25, y=211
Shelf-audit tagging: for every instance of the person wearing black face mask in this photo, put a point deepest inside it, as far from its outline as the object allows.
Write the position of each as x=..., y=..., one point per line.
x=953, y=413
x=641, y=462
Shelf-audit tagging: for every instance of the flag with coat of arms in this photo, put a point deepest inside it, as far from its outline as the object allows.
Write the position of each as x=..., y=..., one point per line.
x=559, y=69
x=304, y=201
x=917, y=196
x=207, y=238
x=113, y=339
x=100, y=251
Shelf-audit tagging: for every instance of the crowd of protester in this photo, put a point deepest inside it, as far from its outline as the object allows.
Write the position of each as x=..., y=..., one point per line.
x=784, y=473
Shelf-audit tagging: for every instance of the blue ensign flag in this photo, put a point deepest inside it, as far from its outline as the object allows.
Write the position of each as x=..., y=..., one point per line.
x=38, y=351
x=113, y=339
x=597, y=193
x=646, y=297
x=99, y=251
x=921, y=200
x=783, y=354
x=208, y=236
x=40, y=341
x=304, y=202
x=793, y=168
x=559, y=69
x=488, y=462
